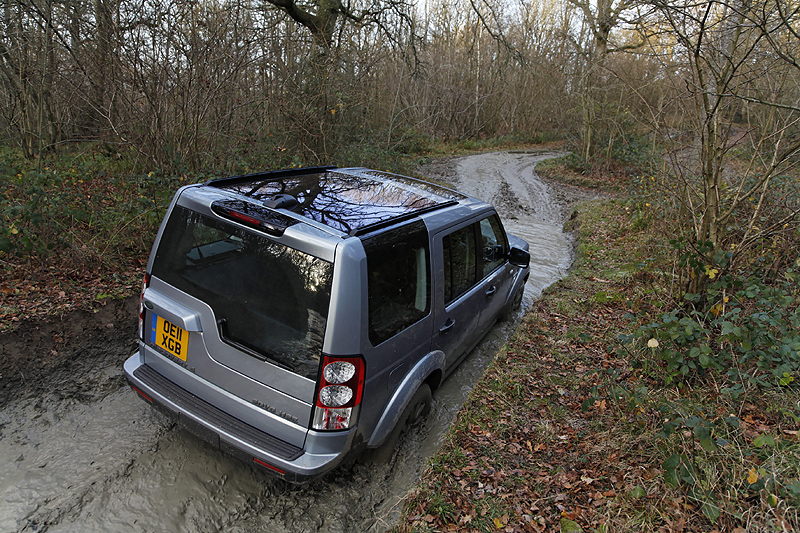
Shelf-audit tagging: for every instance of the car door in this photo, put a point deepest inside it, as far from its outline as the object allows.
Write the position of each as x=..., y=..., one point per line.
x=493, y=269
x=459, y=297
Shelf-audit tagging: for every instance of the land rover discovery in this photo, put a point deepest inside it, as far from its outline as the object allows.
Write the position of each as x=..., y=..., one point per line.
x=293, y=317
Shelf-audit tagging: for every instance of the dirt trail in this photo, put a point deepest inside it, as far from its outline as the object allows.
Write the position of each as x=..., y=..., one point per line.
x=81, y=453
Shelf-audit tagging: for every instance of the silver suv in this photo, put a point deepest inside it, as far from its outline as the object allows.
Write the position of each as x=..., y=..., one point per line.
x=293, y=317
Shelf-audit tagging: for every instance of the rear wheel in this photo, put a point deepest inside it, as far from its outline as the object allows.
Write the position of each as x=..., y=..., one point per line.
x=416, y=410
x=419, y=407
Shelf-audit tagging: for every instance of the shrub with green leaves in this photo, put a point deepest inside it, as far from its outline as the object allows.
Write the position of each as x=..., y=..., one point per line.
x=747, y=330
x=78, y=218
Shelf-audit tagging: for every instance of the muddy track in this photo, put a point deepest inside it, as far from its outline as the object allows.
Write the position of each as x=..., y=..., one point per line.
x=80, y=452
x=58, y=353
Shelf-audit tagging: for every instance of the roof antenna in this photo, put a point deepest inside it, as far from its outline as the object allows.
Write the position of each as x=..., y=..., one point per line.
x=282, y=201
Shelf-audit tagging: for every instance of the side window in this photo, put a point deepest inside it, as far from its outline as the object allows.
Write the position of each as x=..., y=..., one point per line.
x=398, y=266
x=460, y=265
x=493, y=245
x=470, y=254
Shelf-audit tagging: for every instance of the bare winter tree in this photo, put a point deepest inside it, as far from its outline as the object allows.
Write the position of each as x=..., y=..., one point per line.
x=325, y=20
x=189, y=86
x=601, y=18
x=739, y=63
x=320, y=17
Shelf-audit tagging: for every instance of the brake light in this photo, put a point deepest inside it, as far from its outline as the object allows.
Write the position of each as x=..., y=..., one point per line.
x=255, y=216
x=244, y=218
x=341, y=385
x=145, y=284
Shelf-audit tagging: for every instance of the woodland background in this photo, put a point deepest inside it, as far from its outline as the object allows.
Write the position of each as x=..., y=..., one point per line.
x=681, y=310
x=185, y=88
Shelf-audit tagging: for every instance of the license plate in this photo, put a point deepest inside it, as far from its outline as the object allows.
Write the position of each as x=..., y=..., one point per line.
x=169, y=337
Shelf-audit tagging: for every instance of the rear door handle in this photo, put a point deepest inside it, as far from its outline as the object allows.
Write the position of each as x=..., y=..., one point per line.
x=490, y=291
x=447, y=326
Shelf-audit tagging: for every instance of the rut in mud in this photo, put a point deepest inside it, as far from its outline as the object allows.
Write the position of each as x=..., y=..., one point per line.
x=80, y=452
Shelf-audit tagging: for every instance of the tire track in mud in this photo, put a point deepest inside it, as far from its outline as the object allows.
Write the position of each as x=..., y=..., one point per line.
x=80, y=452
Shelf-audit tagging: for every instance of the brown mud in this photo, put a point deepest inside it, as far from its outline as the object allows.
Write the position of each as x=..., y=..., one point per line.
x=53, y=353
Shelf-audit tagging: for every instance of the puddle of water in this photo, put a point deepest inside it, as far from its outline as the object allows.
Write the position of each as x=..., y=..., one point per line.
x=52, y=455
x=528, y=209
x=113, y=464
x=180, y=485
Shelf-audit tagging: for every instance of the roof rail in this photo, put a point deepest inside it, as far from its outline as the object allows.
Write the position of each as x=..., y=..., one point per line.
x=264, y=177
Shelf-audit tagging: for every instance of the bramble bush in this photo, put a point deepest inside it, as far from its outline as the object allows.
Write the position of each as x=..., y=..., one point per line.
x=744, y=329
x=734, y=352
x=78, y=218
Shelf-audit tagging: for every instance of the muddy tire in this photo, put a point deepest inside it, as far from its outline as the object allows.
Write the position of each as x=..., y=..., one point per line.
x=419, y=407
x=416, y=410
x=515, y=304
x=517, y=299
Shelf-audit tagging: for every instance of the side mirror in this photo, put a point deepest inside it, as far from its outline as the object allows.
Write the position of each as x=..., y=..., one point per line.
x=519, y=257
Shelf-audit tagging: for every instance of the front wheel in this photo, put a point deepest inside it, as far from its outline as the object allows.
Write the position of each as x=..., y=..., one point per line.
x=518, y=299
x=514, y=306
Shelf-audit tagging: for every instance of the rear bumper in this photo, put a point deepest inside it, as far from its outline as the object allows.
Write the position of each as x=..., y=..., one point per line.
x=230, y=434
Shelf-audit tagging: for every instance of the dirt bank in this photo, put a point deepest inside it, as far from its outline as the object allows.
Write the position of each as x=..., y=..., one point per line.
x=54, y=352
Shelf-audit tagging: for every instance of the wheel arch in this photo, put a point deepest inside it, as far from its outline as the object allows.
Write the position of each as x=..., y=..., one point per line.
x=428, y=370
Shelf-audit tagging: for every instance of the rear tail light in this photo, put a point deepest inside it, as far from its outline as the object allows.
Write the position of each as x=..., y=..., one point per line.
x=339, y=396
x=145, y=284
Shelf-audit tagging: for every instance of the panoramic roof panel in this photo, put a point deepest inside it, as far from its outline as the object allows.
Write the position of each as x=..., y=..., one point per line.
x=351, y=199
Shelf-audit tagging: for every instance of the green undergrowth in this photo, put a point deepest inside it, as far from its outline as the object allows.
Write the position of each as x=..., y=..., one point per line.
x=585, y=423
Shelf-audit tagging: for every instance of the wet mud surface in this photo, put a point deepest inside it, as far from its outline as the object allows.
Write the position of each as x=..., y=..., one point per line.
x=80, y=452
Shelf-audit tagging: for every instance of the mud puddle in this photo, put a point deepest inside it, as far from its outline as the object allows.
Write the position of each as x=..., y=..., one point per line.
x=81, y=453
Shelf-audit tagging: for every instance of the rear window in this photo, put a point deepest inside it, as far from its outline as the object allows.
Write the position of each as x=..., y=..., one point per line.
x=268, y=299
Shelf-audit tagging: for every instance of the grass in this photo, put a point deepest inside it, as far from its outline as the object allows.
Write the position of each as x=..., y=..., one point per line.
x=567, y=427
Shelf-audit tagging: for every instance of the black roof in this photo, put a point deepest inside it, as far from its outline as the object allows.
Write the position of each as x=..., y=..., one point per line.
x=354, y=201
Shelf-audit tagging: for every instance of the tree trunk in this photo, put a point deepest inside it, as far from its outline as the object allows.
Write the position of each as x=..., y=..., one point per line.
x=102, y=69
